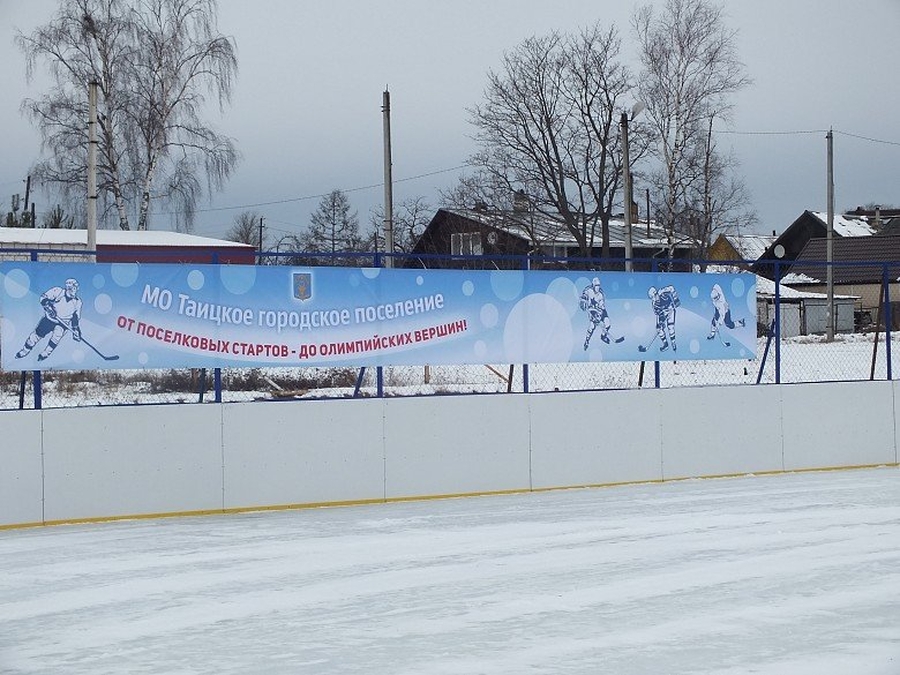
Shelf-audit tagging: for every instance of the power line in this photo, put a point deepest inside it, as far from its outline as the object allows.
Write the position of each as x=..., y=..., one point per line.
x=291, y=200
x=805, y=132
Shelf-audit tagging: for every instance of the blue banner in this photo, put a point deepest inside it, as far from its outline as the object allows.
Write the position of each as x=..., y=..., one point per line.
x=86, y=316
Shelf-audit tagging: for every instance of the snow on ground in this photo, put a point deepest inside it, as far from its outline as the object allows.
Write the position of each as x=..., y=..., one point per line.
x=792, y=574
x=803, y=359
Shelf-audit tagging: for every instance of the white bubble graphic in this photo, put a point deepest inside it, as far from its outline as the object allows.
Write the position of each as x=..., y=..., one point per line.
x=16, y=283
x=489, y=315
x=420, y=280
x=103, y=304
x=695, y=292
x=196, y=279
x=468, y=288
x=738, y=287
x=480, y=349
x=124, y=274
x=237, y=279
x=371, y=272
x=565, y=292
x=507, y=284
x=694, y=346
x=143, y=358
x=538, y=329
x=99, y=281
x=8, y=329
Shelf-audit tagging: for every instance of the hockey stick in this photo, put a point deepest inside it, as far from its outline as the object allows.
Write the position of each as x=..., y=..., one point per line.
x=643, y=348
x=103, y=356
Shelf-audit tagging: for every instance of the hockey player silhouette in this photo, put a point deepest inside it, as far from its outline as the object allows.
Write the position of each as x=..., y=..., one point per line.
x=664, y=302
x=593, y=301
x=62, y=309
x=721, y=314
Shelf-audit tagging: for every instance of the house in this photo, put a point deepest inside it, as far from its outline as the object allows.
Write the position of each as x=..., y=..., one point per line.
x=485, y=238
x=810, y=225
x=861, y=266
x=741, y=249
x=802, y=312
x=142, y=246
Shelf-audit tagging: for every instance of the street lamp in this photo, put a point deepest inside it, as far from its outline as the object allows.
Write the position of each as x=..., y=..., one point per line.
x=626, y=170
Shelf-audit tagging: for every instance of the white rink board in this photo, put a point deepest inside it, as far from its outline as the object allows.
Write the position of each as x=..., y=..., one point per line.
x=594, y=438
x=20, y=467
x=144, y=460
x=303, y=452
x=709, y=435
x=838, y=424
x=132, y=460
x=456, y=445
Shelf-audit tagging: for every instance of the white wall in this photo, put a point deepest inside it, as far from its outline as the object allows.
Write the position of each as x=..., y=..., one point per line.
x=133, y=460
x=21, y=470
x=596, y=438
x=284, y=453
x=75, y=464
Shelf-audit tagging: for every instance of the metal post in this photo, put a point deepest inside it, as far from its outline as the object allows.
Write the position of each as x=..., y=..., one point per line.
x=388, y=182
x=217, y=384
x=887, y=323
x=92, y=172
x=777, y=323
x=626, y=175
x=829, y=248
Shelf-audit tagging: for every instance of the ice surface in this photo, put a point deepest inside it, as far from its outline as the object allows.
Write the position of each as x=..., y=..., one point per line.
x=794, y=574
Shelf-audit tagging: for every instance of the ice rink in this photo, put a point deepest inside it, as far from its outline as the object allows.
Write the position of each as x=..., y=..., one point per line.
x=794, y=574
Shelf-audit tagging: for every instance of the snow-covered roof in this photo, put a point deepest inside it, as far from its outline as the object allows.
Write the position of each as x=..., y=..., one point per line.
x=766, y=288
x=44, y=237
x=846, y=227
x=548, y=230
x=751, y=246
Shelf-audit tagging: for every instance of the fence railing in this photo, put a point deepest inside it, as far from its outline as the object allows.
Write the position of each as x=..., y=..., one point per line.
x=792, y=342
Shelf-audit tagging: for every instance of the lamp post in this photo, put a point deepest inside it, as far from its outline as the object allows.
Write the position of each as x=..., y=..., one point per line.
x=627, y=187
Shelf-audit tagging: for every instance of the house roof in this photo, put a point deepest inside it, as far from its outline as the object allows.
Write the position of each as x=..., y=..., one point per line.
x=749, y=246
x=846, y=227
x=765, y=288
x=44, y=237
x=857, y=260
x=550, y=229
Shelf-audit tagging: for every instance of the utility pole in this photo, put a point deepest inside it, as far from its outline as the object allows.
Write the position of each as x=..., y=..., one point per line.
x=25, y=208
x=92, y=171
x=626, y=171
x=260, y=236
x=388, y=181
x=829, y=242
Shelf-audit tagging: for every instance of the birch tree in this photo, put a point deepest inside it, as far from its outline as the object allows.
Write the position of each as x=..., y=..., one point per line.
x=691, y=71
x=156, y=63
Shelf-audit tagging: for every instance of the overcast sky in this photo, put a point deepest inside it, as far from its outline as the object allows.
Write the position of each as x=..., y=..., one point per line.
x=307, y=107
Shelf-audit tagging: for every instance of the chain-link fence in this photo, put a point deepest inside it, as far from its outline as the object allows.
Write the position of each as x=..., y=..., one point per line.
x=792, y=347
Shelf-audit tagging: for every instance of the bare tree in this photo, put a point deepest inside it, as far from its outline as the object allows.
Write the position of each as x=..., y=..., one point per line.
x=548, y=125
x=154, y=61
x=690, y=72
x=411, y=216
x=246, y=229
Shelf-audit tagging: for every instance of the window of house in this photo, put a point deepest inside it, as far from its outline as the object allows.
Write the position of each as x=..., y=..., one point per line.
x=466, y=243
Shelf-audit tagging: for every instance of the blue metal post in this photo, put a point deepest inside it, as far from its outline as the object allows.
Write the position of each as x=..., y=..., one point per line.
x=217, y=384
x=36, y=374
x=525, y=385
x=777, y=323
x=887, y=323
x=379, y=382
